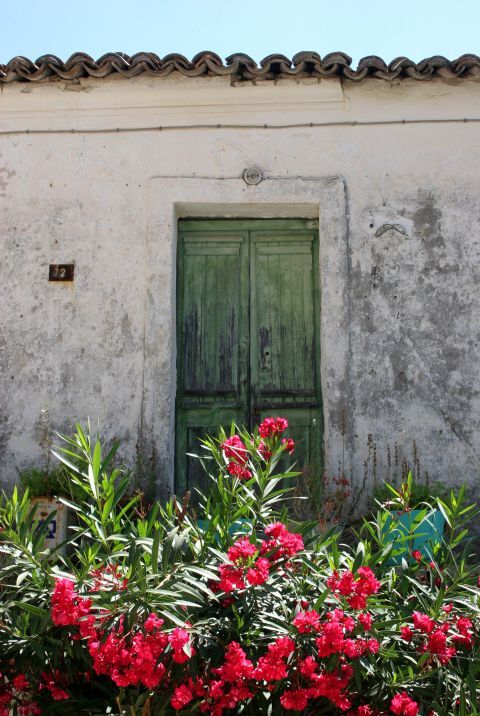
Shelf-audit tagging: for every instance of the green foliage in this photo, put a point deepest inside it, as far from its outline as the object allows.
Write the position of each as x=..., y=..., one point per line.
x=169, y=556
x=45, y=482
x=410, y=493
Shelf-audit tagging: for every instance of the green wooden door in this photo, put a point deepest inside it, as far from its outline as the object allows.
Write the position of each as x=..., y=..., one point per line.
x=248, y=318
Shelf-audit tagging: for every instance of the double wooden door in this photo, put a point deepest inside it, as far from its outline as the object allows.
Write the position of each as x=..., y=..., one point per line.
x=248, y=319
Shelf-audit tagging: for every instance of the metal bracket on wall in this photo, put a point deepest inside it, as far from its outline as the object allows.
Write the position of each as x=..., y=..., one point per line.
x=252, y=175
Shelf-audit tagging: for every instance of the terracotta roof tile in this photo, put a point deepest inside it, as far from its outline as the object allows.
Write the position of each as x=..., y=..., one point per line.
x=238, y=66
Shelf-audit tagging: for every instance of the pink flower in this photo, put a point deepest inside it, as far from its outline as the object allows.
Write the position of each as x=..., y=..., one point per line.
x=417, y=556
x=231, y=578
x=68, y=607
x=272, y=426
x=465, y=637
x=178, y=638
x=275, y=529
x=237, y=470
x=272, y=666
x=356, y=589
x=373, y=646
x=406, y=633
x=133, y=661
x=181, y=697
x=242, y=549
x=437, y=645
x=234, y=448
x=281, y=424
x=259, y=572
x=21, y=683
x=152, y=622
x=283, y=542
x=331, y=640
x=365, y=620
x=423, y=622
x=295, y=700
x=308, y=666
x=306, y=622
x=289, y=445
x=51, y=683
x=264, y=450
x=403, y=705
x=346, y=584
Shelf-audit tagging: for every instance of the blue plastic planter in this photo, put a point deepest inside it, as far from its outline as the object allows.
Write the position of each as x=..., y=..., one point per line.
x=409, y=532
x=241, y=525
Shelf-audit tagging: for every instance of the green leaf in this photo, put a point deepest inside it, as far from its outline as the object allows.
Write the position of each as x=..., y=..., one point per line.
x=96, y=459
x=31, y=608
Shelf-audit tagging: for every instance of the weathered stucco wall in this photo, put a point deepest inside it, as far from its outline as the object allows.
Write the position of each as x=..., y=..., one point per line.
x=400, y=243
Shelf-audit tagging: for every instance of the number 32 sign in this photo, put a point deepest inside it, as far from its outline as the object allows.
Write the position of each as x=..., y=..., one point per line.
x=61, y=272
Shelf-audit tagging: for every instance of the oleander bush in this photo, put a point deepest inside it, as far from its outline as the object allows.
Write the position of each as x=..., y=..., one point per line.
x=230, y=607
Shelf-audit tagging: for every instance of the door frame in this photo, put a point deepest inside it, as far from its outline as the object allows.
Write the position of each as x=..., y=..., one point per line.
x=170, y=198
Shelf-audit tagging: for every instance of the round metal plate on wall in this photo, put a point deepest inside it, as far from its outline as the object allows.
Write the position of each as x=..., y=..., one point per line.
x=252, y=175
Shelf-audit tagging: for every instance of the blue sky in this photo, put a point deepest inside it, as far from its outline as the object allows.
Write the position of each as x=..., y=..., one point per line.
x=357, y=27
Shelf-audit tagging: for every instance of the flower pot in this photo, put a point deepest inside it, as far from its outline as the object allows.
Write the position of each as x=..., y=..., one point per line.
x=414, y=530
x=242, y=525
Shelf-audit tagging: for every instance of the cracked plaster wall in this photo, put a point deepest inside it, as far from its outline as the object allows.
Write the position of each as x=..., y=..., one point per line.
x=413, y=255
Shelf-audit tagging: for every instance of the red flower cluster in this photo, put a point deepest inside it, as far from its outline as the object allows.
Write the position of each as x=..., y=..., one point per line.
x=440, y=639
x=273, y=666
x=16, y=693
x=251, y=564
x=180, y=642
x=236, y=453
x=128, y=659
x=230, y=687
x=271, y=427
x=144, y=656
x=403, y=705
x=333, y=633
x=264, y=450
x=6, y=696
x=183, y=694
x=281, y=542
x=328, y=685
x=245, y=569
x=68, y=608
x=52, y=683
x=356, y=589
x=234, y=449
x=289, y=445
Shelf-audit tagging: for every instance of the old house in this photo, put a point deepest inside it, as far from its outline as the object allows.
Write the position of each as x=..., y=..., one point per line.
x=187, y=243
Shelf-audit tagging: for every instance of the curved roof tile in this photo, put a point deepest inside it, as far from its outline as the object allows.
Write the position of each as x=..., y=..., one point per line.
x=238, y=66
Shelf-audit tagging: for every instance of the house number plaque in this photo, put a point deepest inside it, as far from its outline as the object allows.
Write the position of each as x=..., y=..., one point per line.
x=61, y=272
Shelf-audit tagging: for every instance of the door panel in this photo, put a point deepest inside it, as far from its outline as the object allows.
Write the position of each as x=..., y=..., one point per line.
x=212, y=308
x=283, y=321
x=248, y=320
x=197, y=424
x=212, y=341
